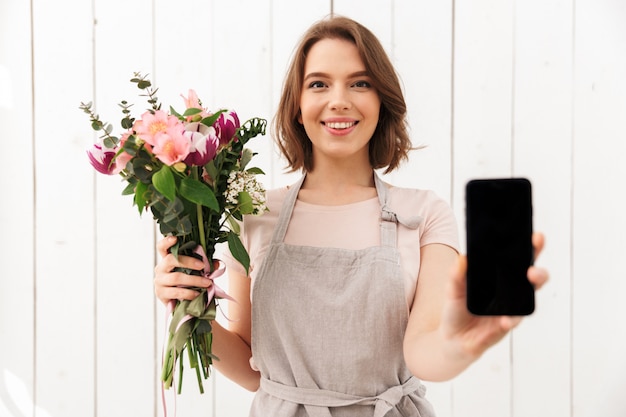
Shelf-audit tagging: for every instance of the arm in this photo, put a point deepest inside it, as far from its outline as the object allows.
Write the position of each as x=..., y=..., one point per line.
x=232, y=345
x=442, y=337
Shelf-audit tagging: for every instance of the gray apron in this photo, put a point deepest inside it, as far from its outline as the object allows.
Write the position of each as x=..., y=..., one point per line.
x=328, y=326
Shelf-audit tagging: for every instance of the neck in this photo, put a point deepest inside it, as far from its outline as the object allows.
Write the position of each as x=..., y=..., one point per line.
x=338, y=185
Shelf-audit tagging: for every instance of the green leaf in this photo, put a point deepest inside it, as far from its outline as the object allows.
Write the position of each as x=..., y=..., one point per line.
x=246, y=157
x=143, y=84
x=174, y=112
x=192, y=111
x=210, y=120
x=127, y=122
x=199, y=193
x=129, y=189
x=110, y=142
x=234, y=225
x=255, y=171
x=245, y=203
x=238, y=250
x=164, y=183
x=211, y=170
x=140, y=196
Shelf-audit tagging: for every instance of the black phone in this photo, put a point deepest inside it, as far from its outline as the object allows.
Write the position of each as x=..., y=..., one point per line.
x=498, y=223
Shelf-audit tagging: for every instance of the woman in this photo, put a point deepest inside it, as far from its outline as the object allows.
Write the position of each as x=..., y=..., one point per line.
x=357, y=288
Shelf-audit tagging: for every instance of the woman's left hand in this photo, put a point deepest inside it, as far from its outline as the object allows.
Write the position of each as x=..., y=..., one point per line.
x=470, y=335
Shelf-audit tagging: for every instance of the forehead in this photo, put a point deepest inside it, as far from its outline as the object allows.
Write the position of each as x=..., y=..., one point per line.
x=333, y=55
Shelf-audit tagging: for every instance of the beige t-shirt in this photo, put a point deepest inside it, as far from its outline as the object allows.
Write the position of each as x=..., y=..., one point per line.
x=353, y=226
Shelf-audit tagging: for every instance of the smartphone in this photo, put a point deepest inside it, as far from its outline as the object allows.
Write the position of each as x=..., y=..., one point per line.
x=498, y=223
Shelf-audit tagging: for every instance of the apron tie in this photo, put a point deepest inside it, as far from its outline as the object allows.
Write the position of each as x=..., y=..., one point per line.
x=411, y=222
x=317, y=401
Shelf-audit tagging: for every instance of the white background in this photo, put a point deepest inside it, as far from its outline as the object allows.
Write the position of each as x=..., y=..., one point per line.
x=531, y=88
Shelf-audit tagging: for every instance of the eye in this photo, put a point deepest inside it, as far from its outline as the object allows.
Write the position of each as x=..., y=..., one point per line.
x=362, y=84
x=317, y=84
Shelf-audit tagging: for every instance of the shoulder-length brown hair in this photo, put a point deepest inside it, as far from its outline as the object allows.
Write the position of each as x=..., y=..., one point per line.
x=390, y=143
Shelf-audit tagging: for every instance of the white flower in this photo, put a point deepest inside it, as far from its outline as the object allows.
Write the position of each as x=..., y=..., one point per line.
x=245, y=193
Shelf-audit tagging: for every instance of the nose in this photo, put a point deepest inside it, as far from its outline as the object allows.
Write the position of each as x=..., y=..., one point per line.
x=339, y=99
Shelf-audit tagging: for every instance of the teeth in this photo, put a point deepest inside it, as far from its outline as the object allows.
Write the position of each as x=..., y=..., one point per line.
x=340, y=125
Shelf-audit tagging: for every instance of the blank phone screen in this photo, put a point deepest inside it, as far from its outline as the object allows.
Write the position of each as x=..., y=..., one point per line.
x=499, y=248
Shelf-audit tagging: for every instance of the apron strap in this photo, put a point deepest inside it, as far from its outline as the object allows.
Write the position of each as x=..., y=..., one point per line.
x=388, y=224
x=285, y=212
x=317, y=401
x=389, y=219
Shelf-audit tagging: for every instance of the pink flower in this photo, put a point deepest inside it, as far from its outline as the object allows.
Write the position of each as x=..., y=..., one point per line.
x=151, y=125
x=123, y=158
x=226, y=126
x=204, y=144
x=103, y=159
x=171, y=146
x=193, y=102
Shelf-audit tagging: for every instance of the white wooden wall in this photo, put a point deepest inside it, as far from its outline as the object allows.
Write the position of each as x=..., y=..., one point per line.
x=495, y=88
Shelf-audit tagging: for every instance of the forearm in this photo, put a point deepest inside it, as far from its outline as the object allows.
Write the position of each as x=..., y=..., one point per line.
x=430, y=357
x=234, y=358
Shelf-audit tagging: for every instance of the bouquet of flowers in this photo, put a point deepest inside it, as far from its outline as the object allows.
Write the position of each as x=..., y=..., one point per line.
x=190, y=170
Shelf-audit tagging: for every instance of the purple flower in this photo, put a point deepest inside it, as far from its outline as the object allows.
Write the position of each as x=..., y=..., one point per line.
x=102, y=159
x=204, y=144
x=226, y=126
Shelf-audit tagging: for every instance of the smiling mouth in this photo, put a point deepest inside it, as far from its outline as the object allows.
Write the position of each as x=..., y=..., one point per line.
x=339, y=125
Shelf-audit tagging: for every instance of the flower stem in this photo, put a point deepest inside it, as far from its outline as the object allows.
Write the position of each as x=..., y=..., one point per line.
x=200, y=216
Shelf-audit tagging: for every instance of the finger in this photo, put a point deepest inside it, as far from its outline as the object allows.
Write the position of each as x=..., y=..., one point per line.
x=165, y=294
x=537, y=276
x=538, y=241
x=508, y=323
x=164, y=244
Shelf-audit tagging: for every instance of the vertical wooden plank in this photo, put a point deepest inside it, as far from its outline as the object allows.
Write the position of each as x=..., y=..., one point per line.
x=598, y=239
x=64, y=210
x=289, y=22
x=124, y=251
x=185, y=59
x=16, y=210
x=542, y=152
x=422, y=53
x=483, y=59
x=242, y=80
x=374, y=14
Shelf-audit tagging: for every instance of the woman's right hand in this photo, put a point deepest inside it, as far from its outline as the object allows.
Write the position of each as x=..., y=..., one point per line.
x=172, y=285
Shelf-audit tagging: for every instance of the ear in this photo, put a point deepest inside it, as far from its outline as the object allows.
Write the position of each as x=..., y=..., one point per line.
x=300, y=117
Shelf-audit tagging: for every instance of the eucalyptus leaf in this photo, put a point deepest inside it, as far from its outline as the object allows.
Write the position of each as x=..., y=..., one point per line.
x=110, y=142
x=143, y=84
x=127, y=122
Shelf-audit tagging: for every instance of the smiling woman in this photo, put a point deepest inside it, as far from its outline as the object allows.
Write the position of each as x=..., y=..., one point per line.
x=339, y=108
x=494, y=88
x=340, y=348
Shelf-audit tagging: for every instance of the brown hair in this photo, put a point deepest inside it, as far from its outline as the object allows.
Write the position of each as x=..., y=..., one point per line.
x=390, y=143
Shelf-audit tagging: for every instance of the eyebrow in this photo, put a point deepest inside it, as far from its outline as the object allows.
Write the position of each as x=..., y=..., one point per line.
x=325, y=75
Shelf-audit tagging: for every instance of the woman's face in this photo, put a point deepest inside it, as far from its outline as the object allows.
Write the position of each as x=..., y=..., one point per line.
x=339, y=108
